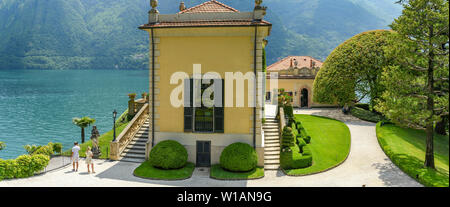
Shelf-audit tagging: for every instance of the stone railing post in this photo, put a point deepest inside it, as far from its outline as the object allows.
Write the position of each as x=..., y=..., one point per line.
x=148, y=148
x=114, y=152
x=131, y=105
x=282, y=122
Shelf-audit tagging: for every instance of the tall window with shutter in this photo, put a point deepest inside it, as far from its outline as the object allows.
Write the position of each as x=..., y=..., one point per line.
x=200, y=118
x=188, y=106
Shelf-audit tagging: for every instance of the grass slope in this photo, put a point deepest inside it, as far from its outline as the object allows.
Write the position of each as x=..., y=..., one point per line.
x=330, y=143
x=104, y=142
x=406, y=148
x=219, y=173
x=146, y=170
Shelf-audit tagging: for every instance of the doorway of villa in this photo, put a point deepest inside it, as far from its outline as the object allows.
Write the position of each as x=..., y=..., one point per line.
x=304, y=98
x=203, y=153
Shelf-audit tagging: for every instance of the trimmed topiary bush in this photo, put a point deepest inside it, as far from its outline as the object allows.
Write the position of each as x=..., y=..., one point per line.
x=295, y=154
x=289, y=111
x=293, y=159
x=287, y=138
x=168, y=154
x=301, y=142
x=307, y=139
x=239, y=157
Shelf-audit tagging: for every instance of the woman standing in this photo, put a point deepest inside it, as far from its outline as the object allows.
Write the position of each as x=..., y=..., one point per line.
x=89, y=155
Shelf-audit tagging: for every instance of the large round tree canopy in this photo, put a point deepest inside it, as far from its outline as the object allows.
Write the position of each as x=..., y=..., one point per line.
x=352, y=72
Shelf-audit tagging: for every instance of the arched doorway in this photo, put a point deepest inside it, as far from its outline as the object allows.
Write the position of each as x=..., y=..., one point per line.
x=304, y=98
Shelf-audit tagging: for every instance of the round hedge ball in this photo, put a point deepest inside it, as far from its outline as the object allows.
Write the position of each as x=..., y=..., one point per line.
x=239, y=157
x=168, y=154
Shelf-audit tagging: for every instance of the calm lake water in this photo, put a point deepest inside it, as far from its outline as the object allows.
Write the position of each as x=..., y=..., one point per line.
x=37, y=106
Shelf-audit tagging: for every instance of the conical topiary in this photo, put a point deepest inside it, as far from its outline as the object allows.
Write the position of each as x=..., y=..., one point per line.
x=287, y=138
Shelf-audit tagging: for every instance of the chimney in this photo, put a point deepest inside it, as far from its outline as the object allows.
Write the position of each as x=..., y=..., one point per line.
x=311, y=64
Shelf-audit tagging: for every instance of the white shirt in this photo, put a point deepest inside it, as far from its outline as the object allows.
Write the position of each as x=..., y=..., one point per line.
x=75, y=150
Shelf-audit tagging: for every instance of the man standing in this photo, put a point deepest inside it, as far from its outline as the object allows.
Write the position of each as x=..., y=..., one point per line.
x=75, y=155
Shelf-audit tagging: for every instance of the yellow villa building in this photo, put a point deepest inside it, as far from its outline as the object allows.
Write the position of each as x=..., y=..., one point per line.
x=295, y=74
x=210, y=38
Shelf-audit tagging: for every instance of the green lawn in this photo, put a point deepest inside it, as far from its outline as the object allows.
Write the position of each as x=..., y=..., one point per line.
x=146, y=170
x=219, y=173
x=104, y=142
x=366, y=115
x=330, y=143
x=406, y=148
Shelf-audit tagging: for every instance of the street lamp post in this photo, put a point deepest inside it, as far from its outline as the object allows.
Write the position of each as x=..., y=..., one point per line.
x=114, y=124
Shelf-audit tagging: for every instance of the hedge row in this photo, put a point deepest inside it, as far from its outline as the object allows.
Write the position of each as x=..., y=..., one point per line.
x=23, y=166
x=295, y=152
x=27, y=165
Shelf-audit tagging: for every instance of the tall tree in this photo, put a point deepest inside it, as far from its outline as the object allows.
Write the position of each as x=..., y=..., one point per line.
x=83, y=123
x=353, y=70
x=417, y=86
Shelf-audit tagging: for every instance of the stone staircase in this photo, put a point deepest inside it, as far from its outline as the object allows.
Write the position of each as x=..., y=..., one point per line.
x=135, y=151
x=271, y=144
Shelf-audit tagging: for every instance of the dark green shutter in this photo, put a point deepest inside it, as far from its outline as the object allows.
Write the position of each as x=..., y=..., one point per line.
x=188, y=106
x=219, y=111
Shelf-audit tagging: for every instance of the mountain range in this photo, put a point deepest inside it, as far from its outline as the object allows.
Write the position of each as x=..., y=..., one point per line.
x=103, y=34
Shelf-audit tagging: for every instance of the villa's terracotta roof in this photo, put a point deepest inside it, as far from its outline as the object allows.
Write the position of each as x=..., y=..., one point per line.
x=209, y=6
x=303, y=61
x=206, y=24
x=212, y=6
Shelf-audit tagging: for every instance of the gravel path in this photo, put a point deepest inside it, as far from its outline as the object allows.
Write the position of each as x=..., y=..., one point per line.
x=366, y=165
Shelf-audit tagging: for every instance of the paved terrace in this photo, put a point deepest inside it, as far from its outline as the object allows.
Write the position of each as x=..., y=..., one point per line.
x=366, y=165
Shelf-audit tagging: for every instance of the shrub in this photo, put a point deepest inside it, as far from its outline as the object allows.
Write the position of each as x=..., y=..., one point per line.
x=302, y=133
x=30, y=148
x=8, y=169
x=287, y=138
x=293, y=159
x=57, y=147
x=289, y=111
x=366, y=115
x=23, y=166
x=44, y=150
x=239, y=157
x=301, y=143
x=363, y=106
x=39, y=162
x=307, y=139
x=306, y=150
x=297, y=154
x=168, y=154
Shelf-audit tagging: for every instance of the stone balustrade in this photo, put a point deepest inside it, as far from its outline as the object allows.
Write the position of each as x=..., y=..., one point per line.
x=125, y=137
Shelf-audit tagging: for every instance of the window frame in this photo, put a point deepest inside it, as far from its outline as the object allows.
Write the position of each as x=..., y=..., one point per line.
x=193, y=109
